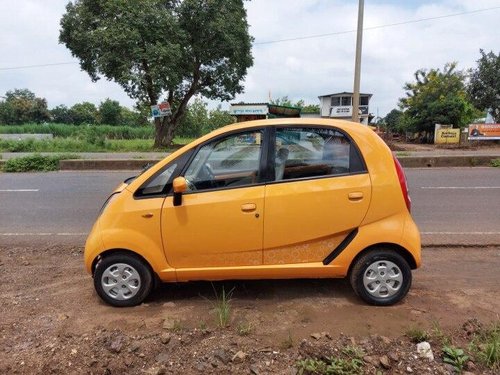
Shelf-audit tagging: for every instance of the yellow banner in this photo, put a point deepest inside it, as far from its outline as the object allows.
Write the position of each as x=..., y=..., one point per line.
x=448, y=136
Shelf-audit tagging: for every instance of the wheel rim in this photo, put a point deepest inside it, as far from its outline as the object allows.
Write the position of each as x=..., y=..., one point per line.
x=121, y=281
x=383, y=279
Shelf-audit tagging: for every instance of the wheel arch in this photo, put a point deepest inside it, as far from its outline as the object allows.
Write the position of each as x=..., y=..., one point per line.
x=388, y=246
x=123, y=251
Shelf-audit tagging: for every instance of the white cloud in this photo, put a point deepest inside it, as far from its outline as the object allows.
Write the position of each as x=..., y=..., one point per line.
x=301, y=69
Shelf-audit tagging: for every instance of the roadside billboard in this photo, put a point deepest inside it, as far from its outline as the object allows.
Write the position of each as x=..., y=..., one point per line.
x=447, y=136
x=482, y=132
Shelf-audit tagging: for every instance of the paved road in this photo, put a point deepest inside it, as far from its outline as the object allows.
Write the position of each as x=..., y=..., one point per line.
x=451, y=206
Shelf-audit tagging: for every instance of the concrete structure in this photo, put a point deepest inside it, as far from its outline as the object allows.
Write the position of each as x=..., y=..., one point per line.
x=339, y=105
x=261, y=111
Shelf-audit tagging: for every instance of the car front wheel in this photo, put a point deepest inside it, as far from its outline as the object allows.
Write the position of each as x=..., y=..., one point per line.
x=381, y=277
x=122, y=280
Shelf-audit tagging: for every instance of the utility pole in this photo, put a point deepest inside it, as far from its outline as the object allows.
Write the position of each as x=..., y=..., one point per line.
x=357, y=65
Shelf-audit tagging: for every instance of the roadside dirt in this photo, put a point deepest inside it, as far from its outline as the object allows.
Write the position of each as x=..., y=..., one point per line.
x=51, y=320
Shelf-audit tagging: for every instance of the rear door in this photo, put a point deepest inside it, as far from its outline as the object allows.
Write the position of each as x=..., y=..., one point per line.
x=321, y=192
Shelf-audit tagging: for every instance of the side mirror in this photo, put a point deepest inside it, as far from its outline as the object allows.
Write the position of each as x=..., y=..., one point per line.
x=180, y=186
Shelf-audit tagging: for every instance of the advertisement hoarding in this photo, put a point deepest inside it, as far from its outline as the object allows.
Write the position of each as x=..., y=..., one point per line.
x=482, y=132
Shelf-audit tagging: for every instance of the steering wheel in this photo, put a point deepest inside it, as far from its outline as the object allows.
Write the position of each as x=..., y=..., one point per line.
x=190, y=185
x=206, y=173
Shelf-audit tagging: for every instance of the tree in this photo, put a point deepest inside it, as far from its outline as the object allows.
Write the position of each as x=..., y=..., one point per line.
x=305, y=108
x=195, y=120
x=84, y=113
x=484, y=86
x=162, y=48
x=394, y=120
x=219, y=118
x=21, y=106
x=437, y=97
x=110, y=112
x=61, y=115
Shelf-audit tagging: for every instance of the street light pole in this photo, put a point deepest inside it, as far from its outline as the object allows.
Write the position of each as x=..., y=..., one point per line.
x=357, y=65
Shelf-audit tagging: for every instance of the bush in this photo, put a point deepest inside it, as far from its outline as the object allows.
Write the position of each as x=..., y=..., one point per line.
x=36, y=162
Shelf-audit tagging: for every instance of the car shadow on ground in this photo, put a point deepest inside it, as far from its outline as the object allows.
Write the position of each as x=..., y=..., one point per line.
x=251, y=290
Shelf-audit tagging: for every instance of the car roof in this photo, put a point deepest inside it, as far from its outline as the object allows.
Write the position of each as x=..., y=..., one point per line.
x=349, y=126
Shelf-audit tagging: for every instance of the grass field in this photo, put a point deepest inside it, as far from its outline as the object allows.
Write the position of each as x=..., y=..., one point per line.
x=84, y=138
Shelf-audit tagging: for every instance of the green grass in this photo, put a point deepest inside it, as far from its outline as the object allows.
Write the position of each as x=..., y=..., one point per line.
x=417, y=335
x=36, y=162
x=486, y=346
x=74, y=131
x=495, y=163
x=332, y=366
x=222, y=307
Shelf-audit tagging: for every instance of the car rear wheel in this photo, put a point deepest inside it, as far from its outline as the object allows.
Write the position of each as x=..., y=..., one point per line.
x=381, y=277
x=122, y=280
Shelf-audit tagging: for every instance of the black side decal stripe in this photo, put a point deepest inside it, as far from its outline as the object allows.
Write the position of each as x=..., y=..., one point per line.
x=336, y=252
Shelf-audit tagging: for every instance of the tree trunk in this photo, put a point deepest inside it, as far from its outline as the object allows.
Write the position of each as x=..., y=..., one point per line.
x=164, y=132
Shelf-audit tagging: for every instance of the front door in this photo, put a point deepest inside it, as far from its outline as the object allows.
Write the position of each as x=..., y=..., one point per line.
x=220, y=220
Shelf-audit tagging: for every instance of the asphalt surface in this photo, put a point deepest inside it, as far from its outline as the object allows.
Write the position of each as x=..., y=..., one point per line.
x=453, y=206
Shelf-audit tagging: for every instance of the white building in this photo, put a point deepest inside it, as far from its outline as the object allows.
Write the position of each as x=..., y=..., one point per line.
x=339, y=105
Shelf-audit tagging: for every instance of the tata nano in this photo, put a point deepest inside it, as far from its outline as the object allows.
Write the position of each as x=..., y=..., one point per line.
x=270, y=199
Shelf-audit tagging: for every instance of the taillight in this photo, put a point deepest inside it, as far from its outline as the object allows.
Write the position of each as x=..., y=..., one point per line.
x=403, y=183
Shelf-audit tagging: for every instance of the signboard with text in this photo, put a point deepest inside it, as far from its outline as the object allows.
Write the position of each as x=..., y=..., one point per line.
x=482, y=132
x=447, y=136
x=161, y=110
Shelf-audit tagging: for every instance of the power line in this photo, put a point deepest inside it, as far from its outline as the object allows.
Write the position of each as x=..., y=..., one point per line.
x=375, y=27
x=38, y=65
x=296, y=38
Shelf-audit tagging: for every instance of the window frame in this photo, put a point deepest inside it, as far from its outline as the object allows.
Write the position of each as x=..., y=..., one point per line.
x=363, y=169
x=263, y=158
x=181, y=161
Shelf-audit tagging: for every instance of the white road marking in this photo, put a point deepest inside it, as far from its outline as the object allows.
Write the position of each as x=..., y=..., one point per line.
x=460, y=187
x=19, y=190
x=43, y=234
x=466, y=233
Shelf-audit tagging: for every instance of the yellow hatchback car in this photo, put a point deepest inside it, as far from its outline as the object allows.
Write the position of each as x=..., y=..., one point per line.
x=270, y=199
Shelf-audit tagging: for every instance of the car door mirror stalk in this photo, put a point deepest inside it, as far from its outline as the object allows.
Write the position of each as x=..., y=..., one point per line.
x=180, y=186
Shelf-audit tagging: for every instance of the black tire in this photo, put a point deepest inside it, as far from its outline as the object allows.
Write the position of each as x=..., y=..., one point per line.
x=123, y=280
x=387, y=275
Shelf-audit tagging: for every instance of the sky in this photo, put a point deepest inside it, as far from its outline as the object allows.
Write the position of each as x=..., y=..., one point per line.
x=303, y=68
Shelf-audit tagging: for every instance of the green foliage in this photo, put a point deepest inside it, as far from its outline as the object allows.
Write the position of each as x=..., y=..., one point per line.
x=417, y=335
x=21, y=105
x=110, y=112
x=437, y=97
x=61, y=115
x=199, y=120
x=332, y=366
x=222, y=306
x=36, y=162
x=486, y=345
x=455, y=357
x=394, y=121
x=156, y=48
x=285, y=101
x=484, y=86
x=495, y=163
x=244, y=328
x=67, y=131
x=84, y=113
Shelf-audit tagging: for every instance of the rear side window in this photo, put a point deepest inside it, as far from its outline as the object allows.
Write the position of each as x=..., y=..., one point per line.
x=314, y=152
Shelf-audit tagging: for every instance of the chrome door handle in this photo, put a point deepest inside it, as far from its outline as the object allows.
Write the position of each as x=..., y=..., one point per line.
x=248, y=207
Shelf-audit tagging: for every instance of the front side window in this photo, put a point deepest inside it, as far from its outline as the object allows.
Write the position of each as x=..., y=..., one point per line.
x=313, y=152
x=227, y=162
